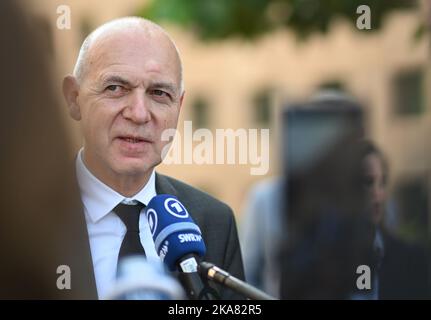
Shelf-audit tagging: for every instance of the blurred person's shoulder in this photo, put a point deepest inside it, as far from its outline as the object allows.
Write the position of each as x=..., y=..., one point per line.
x=267, y=186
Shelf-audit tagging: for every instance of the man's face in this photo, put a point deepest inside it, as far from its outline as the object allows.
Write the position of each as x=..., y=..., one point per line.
x=129, y=95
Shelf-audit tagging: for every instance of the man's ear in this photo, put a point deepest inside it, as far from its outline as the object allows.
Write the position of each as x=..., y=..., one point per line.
x=71, y=92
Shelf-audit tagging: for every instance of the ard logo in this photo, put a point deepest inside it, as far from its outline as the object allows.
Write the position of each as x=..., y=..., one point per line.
x=175, y=208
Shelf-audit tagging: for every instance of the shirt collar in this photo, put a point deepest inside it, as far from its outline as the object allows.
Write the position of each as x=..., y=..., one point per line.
x=99, y=199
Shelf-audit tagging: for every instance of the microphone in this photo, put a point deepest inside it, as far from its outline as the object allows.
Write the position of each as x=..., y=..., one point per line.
x=144, y=279
x=178, y=242
x=210, y=271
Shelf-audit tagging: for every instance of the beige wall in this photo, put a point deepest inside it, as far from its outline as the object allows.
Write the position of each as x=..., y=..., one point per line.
x=228, y=74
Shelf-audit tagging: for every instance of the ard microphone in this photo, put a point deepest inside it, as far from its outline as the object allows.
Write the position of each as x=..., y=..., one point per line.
x=178, y=242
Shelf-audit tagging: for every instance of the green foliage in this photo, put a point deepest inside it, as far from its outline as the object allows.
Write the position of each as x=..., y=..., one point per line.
x=218, y=19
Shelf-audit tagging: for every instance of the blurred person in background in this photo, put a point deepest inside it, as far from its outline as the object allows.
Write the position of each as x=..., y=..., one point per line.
x=401, y=268
x=322, y=228
x=41, y=228
x=261, y=232
x=328, y=234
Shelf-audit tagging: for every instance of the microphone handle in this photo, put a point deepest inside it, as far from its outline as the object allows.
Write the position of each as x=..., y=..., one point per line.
x=191, y=280
x=195, y=288
x=216, y=274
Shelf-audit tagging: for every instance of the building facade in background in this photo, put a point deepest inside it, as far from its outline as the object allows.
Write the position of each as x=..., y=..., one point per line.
x=240, y=84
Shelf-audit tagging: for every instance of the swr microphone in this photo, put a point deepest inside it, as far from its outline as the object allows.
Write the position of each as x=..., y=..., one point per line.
x=178, y=241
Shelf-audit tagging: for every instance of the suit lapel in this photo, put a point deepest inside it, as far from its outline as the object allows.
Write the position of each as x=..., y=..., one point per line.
x=163, y=185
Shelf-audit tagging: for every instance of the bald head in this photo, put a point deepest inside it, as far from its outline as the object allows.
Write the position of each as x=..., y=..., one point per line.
x=129, y=26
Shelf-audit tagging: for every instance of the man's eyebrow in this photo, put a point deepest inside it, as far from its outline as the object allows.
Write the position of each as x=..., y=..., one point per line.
x=164, y=85
x=116, y=79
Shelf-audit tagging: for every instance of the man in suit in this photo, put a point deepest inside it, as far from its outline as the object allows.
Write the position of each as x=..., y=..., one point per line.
x=126, y=90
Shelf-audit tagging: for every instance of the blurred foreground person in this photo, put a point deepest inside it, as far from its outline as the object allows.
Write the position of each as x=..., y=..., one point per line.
x=329, y=235
x=40, y=228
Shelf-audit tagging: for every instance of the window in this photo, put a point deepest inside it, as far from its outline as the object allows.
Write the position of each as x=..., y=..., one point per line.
x=200, y=113
x=262, y=108
x=332, y=85
x=408, y=92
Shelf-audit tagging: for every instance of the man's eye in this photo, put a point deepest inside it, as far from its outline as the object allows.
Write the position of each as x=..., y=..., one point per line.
x=112, y=87
x=115, y=90
x=159, y=93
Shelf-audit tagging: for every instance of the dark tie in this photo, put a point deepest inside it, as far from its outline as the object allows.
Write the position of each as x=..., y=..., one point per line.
x=131, y=244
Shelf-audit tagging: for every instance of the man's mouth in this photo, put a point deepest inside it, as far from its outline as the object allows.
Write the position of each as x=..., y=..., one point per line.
x=132, y=139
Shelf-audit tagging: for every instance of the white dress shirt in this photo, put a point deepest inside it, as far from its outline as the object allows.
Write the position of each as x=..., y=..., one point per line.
x=105, y=229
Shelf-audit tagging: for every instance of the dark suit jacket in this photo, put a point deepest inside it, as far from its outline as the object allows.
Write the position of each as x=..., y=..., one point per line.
x=217, y=223
x=214, y=218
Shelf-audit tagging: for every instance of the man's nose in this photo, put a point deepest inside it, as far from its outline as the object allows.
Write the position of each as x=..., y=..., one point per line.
x=138, y=108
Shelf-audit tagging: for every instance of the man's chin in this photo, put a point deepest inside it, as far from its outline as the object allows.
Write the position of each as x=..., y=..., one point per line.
x=133, y=166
